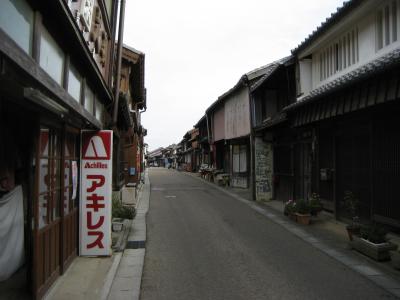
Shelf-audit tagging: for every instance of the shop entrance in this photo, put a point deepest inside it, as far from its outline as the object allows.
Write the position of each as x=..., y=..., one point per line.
x=302, y=170
x=56, y=205
x=17, y=130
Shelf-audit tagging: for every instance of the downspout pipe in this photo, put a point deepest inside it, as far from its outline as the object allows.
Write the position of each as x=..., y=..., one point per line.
x=119, y=58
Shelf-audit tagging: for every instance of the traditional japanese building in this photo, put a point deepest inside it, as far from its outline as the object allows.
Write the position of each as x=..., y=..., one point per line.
x=56, y=78
x=273, y=135
x=187, y=151
x=230, y=130
x=155, y=157
x=202, y=152
x=347, y=110
x=128, y=163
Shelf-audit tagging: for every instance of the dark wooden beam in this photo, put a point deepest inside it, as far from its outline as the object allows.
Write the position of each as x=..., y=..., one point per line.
x=37, y=30
x=34, y=76
x=105, y=16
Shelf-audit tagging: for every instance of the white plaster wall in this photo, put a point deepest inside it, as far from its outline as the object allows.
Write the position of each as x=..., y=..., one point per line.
x=364, y=19
x=306, y=72
x=237, y=114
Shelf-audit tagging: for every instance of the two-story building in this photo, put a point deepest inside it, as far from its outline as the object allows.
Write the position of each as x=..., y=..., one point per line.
x=56, y=78
x=347, y=108
x=187, y=151
x=155, y=157
x=230, y=130
x=128, y=143
x=273, y=141
x=203, y=151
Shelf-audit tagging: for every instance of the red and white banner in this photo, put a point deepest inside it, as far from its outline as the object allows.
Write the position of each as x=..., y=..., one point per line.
x=96, y=193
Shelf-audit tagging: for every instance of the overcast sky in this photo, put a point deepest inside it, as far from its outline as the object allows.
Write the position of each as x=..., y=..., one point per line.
x=197, y=50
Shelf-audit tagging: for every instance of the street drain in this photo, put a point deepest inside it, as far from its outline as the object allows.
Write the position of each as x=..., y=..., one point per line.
x=135, y=245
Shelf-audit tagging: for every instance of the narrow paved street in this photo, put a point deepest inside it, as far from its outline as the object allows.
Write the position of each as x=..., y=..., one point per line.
x=203, y=244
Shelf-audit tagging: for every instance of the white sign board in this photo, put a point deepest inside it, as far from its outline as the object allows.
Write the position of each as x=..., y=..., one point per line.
x=96, y=193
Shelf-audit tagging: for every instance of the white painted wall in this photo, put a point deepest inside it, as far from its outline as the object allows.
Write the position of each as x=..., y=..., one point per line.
x=363, y=18
x=306, y=74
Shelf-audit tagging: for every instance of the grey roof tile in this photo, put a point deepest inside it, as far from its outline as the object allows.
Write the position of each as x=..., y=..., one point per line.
x=335, y=17
x=250, y=78
x=380, y=64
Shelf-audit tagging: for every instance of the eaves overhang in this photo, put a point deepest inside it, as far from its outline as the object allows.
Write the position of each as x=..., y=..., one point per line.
x=335, y=18
x=381, y=64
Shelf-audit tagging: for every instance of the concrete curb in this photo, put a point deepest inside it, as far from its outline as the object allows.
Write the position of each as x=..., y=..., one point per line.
x=127, y=280
x=356, y=264
x=110, y=276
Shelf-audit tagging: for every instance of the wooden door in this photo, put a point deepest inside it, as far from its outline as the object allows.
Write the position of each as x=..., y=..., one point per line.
x=47, y=227
x=302, y=170
x=70, y=216
x=353, y=170
x=385, y=158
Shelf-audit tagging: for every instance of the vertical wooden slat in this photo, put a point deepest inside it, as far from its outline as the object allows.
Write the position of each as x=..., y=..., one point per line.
x=392, y=87
x=58, y=260
x=322, y=110
x=382, y=91
x=61, y=247
x=54, y=253
x=37, y=28
x=371, y=169
x=69, y=236
x=372, y=93
x=37, y=250
x=46, y=256
x=334, y=102
x=364, y=95
x=347, y=104
x=39, y=270
x=355, y=103
x=334, y=176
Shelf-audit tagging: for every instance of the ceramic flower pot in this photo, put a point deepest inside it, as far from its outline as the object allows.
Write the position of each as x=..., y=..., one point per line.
x=303, y=218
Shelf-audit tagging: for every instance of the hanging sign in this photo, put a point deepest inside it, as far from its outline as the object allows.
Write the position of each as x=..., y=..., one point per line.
x=95, y=193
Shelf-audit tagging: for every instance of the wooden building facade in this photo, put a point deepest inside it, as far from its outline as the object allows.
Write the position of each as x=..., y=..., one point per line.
x=56, y=79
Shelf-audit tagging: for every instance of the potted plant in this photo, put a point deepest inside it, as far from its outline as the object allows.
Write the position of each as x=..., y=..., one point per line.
x=303, y=210
x=315, y=204
x=290, y=209
x=351, y=204
x=372, y=242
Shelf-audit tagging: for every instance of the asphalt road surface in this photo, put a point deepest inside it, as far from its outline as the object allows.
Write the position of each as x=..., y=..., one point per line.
x=203, y=244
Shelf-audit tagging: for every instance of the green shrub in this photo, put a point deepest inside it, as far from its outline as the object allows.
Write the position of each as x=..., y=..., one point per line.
x=122, y=211
x=351, y=203
x=374, y=233
x=290, y=207
x=302, y=207
x=315, y=204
